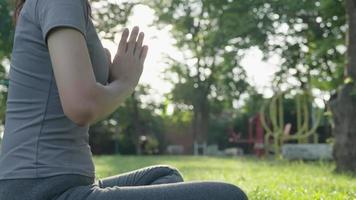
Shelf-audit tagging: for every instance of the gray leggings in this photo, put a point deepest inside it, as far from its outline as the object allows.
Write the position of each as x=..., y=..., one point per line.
x=150, y=183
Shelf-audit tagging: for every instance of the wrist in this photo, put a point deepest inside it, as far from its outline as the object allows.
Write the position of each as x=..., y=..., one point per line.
x=122, y=88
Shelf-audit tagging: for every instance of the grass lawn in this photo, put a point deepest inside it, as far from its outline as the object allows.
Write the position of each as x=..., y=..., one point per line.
x=261, y=179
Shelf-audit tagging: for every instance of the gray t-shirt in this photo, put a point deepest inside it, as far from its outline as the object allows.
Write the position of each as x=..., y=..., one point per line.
x=39, y=139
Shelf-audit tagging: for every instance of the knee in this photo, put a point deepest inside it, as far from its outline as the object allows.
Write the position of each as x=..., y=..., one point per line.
x=169, y=171
x=172, y=171
x=232, y=192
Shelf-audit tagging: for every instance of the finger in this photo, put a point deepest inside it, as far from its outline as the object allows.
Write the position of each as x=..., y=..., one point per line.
x=123, y=41
x=143, y=53
x=132, y=40
x=138, y=47
x=108, y=54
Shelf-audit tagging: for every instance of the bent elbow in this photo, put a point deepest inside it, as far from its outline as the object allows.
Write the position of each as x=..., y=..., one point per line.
x=81, y=121
x=81, y=114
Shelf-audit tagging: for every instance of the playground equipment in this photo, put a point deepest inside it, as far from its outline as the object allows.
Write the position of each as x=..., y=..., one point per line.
x=255, y=138
x=277, y=132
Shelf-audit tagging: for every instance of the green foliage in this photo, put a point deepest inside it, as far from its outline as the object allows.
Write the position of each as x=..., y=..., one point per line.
x=125, y=125
x=222, y=120
x=152, y=146
x=218, y=131
x=206, y=31
x=118, y=132
x=309, y=35
x=180, y=117
x=210, y=78
x=109, y=16
x=312, y=43
x=252, y=103
x=6, y=35
x=6, y=31
x=260, y=179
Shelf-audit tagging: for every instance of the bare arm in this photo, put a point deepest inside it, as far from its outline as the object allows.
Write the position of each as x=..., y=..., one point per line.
x=84, y=100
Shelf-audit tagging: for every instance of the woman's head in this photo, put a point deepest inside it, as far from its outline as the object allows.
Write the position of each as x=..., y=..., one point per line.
x=19, y=5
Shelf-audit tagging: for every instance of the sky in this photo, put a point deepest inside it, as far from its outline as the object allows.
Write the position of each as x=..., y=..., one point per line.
x=160, y=44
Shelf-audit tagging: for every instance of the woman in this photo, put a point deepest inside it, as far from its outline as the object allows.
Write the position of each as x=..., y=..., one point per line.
x=61, y=81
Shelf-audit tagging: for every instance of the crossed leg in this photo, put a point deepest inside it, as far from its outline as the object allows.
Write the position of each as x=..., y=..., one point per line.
x=154, y=183
x=153, y=175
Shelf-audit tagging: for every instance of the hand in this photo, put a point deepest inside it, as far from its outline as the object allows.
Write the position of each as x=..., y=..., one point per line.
x=128, y=62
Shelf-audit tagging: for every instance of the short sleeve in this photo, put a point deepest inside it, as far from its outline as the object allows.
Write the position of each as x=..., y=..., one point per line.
x=61, y=13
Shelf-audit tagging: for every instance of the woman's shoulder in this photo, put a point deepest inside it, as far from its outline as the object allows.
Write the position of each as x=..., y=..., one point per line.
x=61, y=13
x=54, y=4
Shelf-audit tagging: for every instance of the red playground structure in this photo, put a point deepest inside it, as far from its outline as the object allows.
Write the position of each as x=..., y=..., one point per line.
x=255, y=138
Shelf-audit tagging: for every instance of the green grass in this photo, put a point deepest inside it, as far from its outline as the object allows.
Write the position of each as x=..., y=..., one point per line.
x=260, y=179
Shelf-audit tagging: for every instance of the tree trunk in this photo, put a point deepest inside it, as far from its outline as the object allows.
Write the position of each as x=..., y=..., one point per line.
x=137, y=128
x=343, y=106
x=201, y=122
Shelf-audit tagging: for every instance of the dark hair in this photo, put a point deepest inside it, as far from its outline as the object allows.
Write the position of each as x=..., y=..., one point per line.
x=19, y=5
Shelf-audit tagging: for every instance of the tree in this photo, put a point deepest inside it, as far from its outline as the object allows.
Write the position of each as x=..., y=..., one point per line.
x=206, y=33
x=344, y=104
x=6, y=35
x=125, y=127
x=314, y=48
x=309, y=36
x=109, y=16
